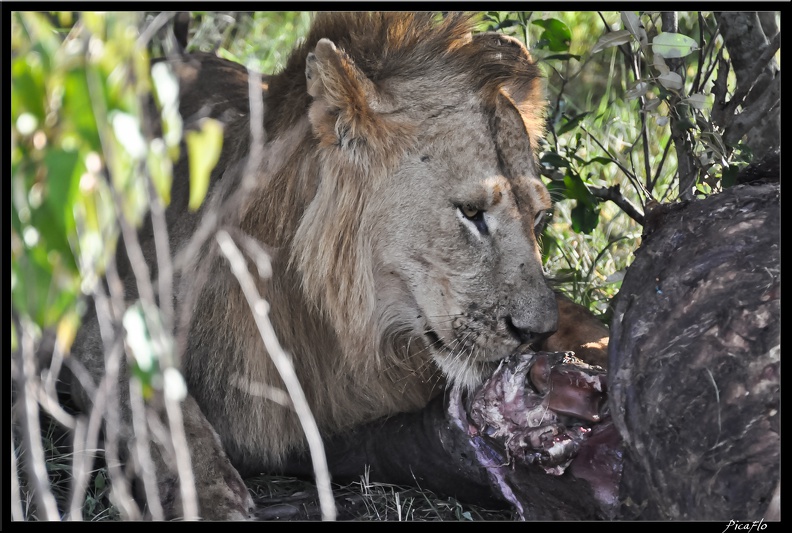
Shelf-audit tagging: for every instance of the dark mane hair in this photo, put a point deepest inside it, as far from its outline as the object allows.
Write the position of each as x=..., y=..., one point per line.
x=411, y=46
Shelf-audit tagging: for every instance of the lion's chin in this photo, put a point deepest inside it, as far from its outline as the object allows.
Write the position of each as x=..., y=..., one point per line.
x=466, y=374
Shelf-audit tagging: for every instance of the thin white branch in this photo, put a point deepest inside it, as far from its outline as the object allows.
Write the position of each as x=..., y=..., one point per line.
x=260, y=310
x=17, y=515
x=35, y=462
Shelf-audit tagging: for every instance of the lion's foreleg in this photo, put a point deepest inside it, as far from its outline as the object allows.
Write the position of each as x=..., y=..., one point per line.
x=137, y=433
x=220, y=491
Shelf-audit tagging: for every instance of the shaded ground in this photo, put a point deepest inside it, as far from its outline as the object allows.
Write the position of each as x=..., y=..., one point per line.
x=291, y=499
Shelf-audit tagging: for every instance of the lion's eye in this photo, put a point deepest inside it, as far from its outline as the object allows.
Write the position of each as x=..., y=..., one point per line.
x=476, y=216
x=470, y=212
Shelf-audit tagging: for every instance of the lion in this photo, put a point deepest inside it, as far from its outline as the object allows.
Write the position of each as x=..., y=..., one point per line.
x=397, y=192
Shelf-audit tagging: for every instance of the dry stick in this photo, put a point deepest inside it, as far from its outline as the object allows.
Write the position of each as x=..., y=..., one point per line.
x=165, y=286
x=146, y=293
x=121, y=492
x=260, y=310
x=17, y=515
x=79, y=479
x=284, y=366
x=159, y=21
x=109, y=311
x=87, y=439
x=644, y=132
x=157, y=211
x=143, y=450
x=173, y=412
x=613, y=193
x=31, y=431
x=685, y=165
x=47, y=396
x=113, y=355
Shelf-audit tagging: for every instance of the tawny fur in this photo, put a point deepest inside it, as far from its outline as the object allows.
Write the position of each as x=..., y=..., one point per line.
x=378, y=130
x=341, y=199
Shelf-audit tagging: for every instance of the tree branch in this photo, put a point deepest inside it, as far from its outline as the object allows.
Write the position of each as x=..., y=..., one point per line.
x=614, y=194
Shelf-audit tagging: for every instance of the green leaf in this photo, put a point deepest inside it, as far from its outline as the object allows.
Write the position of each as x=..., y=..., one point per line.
x=78, y=108
x=599, y=159
x=554, y=160
x=27, y=89
x=577, y=190
x=673, y=45
x=55, y=218
x=556, y=35
x=584, y=218
x=633, y=24
x=698, y=100
x=204, y=151
x=562, y=57
x=161, y=169
x=614, y=38
x=671, y=80
x=571, y=123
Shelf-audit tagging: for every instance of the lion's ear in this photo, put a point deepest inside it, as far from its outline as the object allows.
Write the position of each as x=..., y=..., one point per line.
x=344, y=95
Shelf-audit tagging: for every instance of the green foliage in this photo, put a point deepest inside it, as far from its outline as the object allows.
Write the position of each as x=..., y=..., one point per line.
x=613, y=103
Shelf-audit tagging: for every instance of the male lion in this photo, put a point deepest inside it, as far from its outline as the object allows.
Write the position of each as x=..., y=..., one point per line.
x=398, y=195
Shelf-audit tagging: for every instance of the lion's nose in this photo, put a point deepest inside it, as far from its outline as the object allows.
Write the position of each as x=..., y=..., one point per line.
x=528, y=335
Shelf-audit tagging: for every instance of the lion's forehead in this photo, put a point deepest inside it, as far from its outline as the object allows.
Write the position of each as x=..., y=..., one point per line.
x=460, y=137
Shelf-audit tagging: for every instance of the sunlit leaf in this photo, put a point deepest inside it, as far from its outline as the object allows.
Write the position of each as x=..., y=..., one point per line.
x=67, y=330
x=167, y=92
x=562, y=57
x=556, y=35
x=161, y=169
x=166, y=87
x=127, y=130
x=672, y=45
x=138, y=338
x=204, y=151
x=613, y=38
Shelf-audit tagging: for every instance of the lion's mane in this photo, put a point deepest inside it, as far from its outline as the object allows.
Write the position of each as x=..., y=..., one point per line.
x=326, y=150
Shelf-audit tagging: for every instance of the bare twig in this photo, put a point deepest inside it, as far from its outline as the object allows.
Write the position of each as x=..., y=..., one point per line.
x=260, y=310
x=659, y=168
x=639, y=187
x=613, y=193
x=17, y=514
x=31, y=430
x=154, y=26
